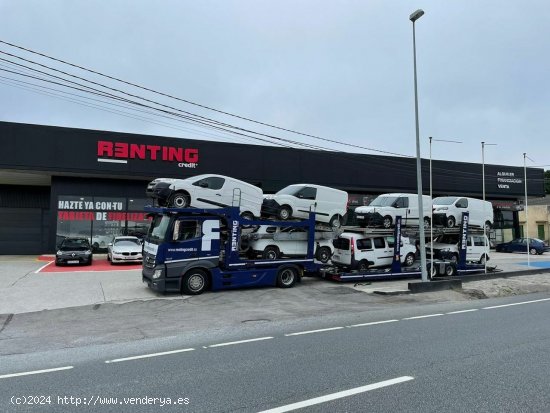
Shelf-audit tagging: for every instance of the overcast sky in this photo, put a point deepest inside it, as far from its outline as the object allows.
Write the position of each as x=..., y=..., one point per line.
x=342, y=70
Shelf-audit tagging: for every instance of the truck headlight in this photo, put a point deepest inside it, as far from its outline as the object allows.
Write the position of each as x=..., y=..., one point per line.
x=157, y=274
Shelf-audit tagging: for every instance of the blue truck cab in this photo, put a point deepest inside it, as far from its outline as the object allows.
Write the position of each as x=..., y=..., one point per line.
x=190, y=250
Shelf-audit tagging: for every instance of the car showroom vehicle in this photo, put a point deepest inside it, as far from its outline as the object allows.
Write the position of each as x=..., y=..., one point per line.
x=125, y=249
x=536, y=246
x=445, y=246
x=296, y=201
x=207, y=191
x=273, y=242
x=74, y=251
x=359, y=252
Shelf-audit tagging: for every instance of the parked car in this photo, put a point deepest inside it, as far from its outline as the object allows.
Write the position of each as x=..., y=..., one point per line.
x=360, y=252
x=445, y=246
x=383, y=210
x=207, y=191
x=447, y=211
x=296, y=201
x=536, y=246
x=125, y=249
x=273, y=242
x=74, y=251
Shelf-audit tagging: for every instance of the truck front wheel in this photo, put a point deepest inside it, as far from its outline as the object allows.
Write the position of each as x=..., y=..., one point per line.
x=194, y=282
x=287, y=277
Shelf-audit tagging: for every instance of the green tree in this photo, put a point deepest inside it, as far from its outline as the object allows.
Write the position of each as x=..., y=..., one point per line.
x=547, y=181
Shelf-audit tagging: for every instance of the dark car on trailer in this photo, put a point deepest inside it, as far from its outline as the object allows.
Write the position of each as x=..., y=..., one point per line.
x=74, y=251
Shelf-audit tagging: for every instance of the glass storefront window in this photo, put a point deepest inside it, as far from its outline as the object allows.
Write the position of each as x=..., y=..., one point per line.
x=100, y=219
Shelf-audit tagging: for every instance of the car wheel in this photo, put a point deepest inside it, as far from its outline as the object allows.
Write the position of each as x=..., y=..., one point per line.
x=336, y=222
x=194, y=282
x=432, y=270
x=426, y=223
x=271, y=253
x=179, y=200
x=285, y=212
x=450, y=270
x=363, y=265
x=451, y=222
x=409, y=259
x=287, y=277
x=323, y=254
x=454, y=258
x=483, y=259
x=387, y=223
x=533, y=251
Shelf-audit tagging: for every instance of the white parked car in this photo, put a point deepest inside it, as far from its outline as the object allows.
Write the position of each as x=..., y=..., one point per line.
x=207, y=191
x=383, y=210
x=360, y=252
x=447, y=211
x=125, y=249
x=272, y=242
x=296, y=201
x=445, y=246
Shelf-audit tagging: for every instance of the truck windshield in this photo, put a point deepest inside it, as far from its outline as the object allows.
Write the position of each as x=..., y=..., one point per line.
x=382, y=201
x=158, y=227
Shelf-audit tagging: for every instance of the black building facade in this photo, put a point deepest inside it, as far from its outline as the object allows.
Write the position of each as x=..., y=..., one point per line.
x=56, y=182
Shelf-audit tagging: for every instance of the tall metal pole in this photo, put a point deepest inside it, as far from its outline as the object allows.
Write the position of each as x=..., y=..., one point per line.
x=526, y=211
x=484, y=226
x=413, y=17
x=431, y=217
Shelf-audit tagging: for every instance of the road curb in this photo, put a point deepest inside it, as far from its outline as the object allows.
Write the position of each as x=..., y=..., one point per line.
x=438, y=285
x=490, y=276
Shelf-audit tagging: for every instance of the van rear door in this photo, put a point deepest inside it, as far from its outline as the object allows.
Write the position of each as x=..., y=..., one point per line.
x=342, y=251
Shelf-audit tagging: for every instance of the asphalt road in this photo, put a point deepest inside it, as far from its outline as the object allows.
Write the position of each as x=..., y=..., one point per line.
x=489, y=355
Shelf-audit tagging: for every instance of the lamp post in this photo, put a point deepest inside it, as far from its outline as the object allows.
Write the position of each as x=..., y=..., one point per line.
x=431, y=198
x=413, y=18
x=483, y=179
x=526, y=213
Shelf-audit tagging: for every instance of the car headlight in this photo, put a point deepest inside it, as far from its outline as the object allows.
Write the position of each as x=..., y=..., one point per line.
x=59, y=252
x=87, y=252
x=157, y=274
x=445, y=249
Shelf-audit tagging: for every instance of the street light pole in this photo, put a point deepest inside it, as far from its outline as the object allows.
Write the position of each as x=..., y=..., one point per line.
x=431, y=200
x=526, y=213
x=413, y=18
x=483, y=179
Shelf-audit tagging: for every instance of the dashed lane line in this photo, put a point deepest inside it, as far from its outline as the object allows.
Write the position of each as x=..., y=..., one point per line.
x=28, y=373
x=144, y=356
x=313, y=331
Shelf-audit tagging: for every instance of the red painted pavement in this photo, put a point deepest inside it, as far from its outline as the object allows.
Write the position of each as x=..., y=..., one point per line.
x=97, y=265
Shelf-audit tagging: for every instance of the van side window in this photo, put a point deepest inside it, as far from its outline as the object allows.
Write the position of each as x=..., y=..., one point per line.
x=379, y=243
x=478, y=242
x=364, y=244
x=213, y=182
x=462, y=203
x=402, y=202
x=307, y=193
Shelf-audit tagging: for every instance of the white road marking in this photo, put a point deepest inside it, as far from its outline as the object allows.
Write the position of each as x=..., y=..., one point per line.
x=509, y=305
x=463, y=311
x=28, y=373
x=338, y=395
x=230, y=343
x=372, y=323
x=144, y=356
x=423, y=316
x=313, y=331
x=41, y=268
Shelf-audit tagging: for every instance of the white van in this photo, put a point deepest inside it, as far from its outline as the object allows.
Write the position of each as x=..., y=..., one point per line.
x=359, y=252
x=445, y=246
x=383, y=210
x=447, y=211
x=273, y=242
x=207, y=191
x=296, y=201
